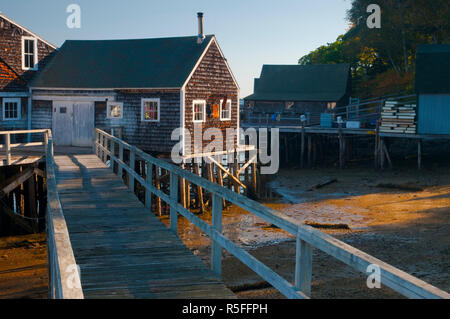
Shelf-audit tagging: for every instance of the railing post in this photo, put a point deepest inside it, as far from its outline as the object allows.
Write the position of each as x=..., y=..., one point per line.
x=173, y=197
x=113, y=154
x=148, y=179
x=105, y=147
x=94, y=143
x=8, y=148
x=132, y=166
x=303, y=266
x=216, y=249
x=119, y=168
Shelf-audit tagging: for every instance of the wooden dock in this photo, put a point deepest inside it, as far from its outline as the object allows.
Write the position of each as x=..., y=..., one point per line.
x=122, y=249
x=95, y=222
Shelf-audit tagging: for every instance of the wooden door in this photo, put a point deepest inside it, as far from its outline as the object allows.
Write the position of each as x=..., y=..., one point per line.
x=62, y=122
x=83, y=123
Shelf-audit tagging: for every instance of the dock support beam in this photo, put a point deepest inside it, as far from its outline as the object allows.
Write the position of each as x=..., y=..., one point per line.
x=419, y=153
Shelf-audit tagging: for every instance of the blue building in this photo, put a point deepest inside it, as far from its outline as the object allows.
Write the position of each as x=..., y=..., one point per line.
x=433, y=89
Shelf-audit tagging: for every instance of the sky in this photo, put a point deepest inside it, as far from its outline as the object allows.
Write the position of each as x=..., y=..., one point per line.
x=250, y=32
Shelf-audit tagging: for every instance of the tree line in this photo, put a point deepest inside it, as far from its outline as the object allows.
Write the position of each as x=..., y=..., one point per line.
x=382, y=59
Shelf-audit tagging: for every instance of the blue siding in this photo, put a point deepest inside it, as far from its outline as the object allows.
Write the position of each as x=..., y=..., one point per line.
x=434, y=114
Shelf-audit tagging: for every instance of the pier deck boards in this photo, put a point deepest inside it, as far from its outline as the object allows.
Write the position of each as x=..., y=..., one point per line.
x=122, y=249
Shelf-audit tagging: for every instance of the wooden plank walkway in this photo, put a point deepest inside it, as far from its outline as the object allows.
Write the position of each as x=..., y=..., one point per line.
x=123, y=250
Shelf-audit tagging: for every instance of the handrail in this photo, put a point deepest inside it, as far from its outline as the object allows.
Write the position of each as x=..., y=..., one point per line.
x=306, y=236
x=8, y=146
x=64, y=276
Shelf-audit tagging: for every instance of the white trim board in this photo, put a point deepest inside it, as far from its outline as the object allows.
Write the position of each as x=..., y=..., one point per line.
x=103, y=98
x=14, y=94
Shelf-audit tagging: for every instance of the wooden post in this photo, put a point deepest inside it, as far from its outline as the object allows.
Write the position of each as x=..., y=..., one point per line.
x=158, y=187
x=382, y=153
x=286, y=149
x=182, y=188
x=201, y=204
x=216, y=249
x=173, y=197
x=386, y=152
x=148, y=179
x=188, y=188
x=95, y=145
x=303, y=266
x=236, y=174
x=8, y=148
x=132, y=166
x=377, y=131
x=113, y=153
x=419, y=153
x=220, y=180
x=254, y=178
x=341, y=147
x=302, y=147
x=120, y=169
x=309, y=149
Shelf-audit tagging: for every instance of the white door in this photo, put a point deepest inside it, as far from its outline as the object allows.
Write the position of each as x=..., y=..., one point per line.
x=62, y=122
x=73, y=123
x=83, y=123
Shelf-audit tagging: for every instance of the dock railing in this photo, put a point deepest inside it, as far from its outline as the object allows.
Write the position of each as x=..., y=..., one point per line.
x=108, y=147
x=7, y=146
x=64, y=275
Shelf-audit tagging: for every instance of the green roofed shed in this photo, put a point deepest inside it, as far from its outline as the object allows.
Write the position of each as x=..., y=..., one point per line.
x=312, y=82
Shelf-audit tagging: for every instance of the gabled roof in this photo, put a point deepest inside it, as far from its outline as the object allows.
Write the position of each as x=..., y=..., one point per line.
x=121, y=64
x=312, y=82
x=433, y=68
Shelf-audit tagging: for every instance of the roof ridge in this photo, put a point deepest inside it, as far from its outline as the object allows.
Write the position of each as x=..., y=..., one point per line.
x=136, y=39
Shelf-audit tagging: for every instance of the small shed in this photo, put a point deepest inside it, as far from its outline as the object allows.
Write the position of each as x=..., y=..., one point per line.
x=433, y=89
x=293, y=90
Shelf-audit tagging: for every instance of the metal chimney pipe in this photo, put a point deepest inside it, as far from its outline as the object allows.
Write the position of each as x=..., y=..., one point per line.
x=201, y=36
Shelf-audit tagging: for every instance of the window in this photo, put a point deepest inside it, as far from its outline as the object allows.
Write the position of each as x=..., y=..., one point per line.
x=150, y=110
x=225, y=112
x=114, y=110
x=29, y=53
x=11, y=109
x=199, y=110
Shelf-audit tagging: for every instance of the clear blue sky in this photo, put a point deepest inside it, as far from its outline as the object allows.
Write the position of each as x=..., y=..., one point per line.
x=250, y=32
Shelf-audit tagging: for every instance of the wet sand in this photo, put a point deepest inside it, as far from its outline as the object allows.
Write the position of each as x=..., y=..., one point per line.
x=23, y=267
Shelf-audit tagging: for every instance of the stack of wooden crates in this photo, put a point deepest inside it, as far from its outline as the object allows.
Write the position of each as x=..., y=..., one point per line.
x=398, y=117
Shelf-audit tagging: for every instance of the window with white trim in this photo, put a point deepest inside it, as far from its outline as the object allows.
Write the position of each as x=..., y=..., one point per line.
x=114, y=110
x=150, y=110
x=11, y=109
x=225, y=112
x=199, y=111
x=29, y=53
